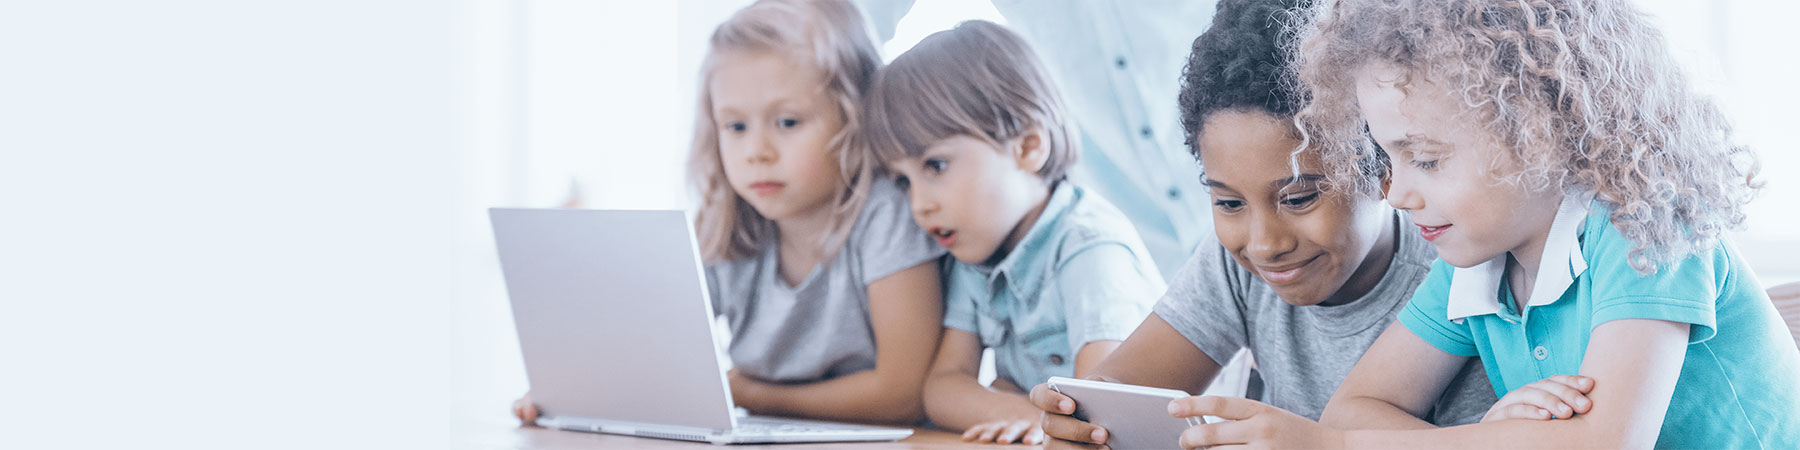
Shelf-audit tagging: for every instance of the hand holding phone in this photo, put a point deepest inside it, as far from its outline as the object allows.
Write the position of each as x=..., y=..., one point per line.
x=1134, y=416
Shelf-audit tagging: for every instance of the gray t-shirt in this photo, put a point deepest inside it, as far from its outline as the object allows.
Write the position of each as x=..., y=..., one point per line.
x=1304, y=352
x=819, y=329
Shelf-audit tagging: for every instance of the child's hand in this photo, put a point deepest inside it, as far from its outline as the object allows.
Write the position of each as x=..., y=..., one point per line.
x=1057, y=423
x=1024, y=431
x=526, y=411
x=1250, y=424
x=1557, y=397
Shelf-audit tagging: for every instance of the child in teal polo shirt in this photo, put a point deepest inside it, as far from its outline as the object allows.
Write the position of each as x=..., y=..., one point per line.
x=1048, y=275
x=1577, y=191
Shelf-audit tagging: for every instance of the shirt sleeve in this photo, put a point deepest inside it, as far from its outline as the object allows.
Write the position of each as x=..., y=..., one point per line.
x=1106, y=291
x=712, y=290
x=1205, y=303
x=1427, y=314
x=885, y=240
x=1685, y=290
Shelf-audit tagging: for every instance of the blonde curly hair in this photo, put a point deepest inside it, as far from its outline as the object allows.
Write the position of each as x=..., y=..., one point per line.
x=1583, y=94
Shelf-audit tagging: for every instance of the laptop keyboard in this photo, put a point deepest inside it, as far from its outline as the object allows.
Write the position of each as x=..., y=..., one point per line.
x=765, y=425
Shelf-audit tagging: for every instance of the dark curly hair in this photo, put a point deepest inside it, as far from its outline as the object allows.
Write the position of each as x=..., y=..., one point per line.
x=1240, y=64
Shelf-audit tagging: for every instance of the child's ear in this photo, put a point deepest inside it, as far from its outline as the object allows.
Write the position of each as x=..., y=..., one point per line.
x=1387, y=181
x=1031, y=151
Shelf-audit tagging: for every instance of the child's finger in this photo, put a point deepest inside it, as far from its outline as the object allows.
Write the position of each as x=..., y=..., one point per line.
x=1059, y=444
x=1227, y=408
x=1034, y=435
x=1217, y=434
x=1051, y=401
x=1580, y=383
x=1532, y=395
x=988, y=435
x=1569, y=391
x=1519, y=411
x=1568, y=400
x=1013, y=431
x=1070, y=429
x=972, y=432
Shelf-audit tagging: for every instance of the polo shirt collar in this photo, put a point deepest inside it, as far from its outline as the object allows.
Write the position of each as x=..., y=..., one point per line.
x=1023, y=267
x=1475, y=290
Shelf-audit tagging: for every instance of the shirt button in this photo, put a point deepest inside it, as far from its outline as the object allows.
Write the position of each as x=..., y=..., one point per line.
x=1174, y=193
x=1540, y=353
x=1146, y=132
x=1119, y=62
x=1056, y=359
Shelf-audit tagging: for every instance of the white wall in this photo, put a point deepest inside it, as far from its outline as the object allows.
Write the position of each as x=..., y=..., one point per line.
x=229, y=224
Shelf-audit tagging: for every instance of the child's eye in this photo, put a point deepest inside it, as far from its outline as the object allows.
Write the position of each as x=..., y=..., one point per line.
x=936, y=165
x=735, y=127
x=787, y=123
x=1426, y=165
x=1301, y=201
x=1229, y=205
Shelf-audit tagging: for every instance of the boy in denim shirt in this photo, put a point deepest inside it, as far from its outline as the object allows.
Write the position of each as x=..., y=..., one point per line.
x=1049, y=275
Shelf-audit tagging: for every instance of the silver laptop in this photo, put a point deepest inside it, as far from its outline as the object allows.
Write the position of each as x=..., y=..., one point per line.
x=617, y=330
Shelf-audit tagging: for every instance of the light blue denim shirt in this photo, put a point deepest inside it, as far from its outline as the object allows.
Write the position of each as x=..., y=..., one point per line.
x=1118, y=64
x=1079, y=275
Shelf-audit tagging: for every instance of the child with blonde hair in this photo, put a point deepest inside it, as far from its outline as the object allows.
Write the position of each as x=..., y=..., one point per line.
x=1046, y=273
x=831, y=293
x=1302, y=277
x=1576, y=189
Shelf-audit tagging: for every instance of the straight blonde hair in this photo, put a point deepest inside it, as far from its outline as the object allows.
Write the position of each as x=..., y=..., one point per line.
x=829, y=34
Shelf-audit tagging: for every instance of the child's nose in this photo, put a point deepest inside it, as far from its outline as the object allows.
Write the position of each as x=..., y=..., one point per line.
x=1270, y=237
x=762, y=151
x=921, y=204
x=1400, y=193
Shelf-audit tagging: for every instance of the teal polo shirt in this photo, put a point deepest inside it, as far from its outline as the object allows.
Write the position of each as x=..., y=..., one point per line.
x=1740, y=379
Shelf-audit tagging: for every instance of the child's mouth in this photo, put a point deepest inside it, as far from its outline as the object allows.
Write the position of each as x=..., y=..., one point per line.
x=767, y=188
x=1284, y=275
x=944, y=237
x=1432, y=233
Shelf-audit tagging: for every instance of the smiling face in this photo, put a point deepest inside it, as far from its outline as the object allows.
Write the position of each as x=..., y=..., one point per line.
x=1312, y=246
x=776, y=122
x=1445, y=172
x=975, y=199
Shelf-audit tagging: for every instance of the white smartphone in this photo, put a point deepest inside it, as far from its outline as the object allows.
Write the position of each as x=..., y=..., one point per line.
x=1135, y=417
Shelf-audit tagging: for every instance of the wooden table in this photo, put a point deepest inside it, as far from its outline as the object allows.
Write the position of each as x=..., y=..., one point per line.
x=538, y=438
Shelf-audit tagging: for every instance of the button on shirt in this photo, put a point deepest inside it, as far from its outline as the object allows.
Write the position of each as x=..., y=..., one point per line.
x=1079, y=275
x=1740, y=378
x=1118, y=65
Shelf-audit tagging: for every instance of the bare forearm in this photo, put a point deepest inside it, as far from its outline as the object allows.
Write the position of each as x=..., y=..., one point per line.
x=1580, y=433
x=1157, y=355
x=1364, y=413
x=958, y=401
x=859, y=397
